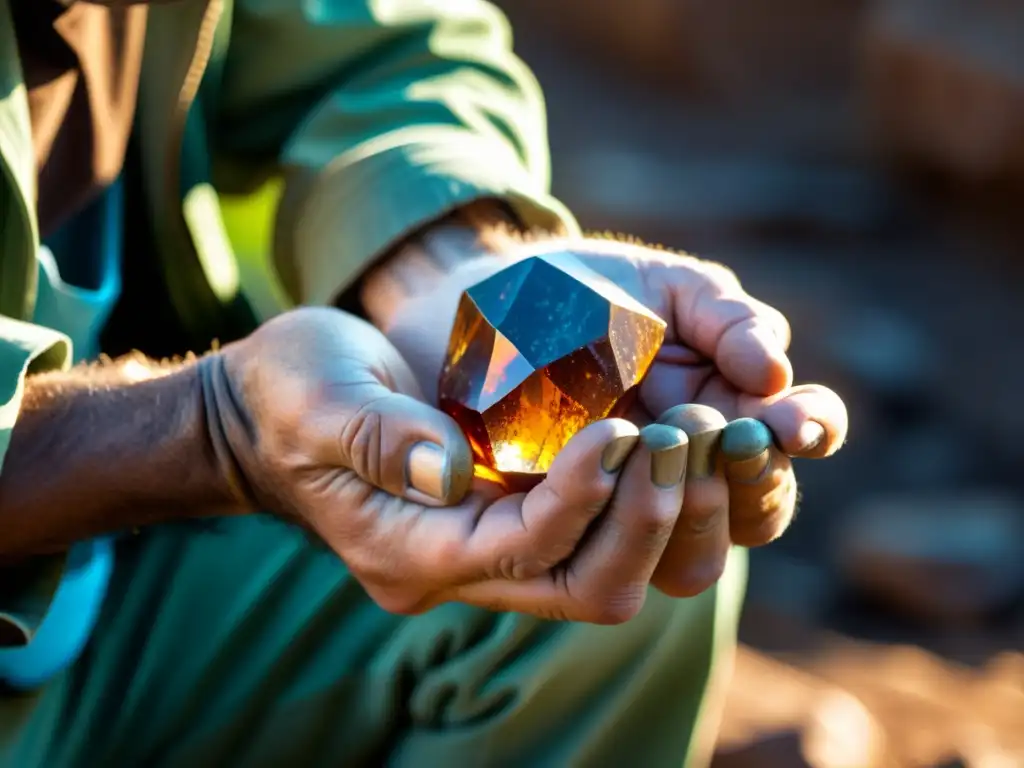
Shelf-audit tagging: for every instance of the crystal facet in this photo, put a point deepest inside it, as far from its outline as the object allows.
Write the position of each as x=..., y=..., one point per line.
x=538, y=351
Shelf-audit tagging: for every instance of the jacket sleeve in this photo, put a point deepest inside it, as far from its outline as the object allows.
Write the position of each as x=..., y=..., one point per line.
x=381, y=117
x=25, y=591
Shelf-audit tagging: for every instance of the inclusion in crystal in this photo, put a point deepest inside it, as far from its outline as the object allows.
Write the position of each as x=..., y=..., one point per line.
x=539, y=351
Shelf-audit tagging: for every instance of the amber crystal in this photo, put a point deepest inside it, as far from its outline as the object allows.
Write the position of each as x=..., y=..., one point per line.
x=538, y=351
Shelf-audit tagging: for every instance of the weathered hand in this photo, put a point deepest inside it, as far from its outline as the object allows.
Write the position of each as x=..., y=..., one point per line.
x=325, y=424
x=723, y=349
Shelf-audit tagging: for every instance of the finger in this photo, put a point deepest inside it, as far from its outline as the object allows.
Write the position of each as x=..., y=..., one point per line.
x=521, y=536
x=808, y=421
x=696, y=553
x=491, y=535
x=392, y=441
x=606, y=580
x=719, y=394
x=762, y=486
x=746, y=338
x=667, y=384
x=748, y=353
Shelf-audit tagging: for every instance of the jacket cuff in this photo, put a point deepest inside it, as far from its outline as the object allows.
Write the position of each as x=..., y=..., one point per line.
x=341, y=219
x=26, y=591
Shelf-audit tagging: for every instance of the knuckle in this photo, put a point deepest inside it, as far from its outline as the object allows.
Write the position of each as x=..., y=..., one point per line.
x=585, y=500
x=655, y=522
x=505, y=568
x=361, y=442
x=400, y=602
x=615, y=608
x=692, y=580
x=720, y=276
x=528, y=568
x=517, y=567
x=698, y=519
x=544, y=556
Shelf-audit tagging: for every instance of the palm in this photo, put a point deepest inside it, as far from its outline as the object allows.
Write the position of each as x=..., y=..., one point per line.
x=722, y=348
x=680, y=374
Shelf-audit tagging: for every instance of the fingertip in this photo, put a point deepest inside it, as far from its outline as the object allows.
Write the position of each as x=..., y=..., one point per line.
x=746, y=449
x=439, y=474
x=810, y=421
x=610, y=440
x=753, y=357
x=779, y=374
x=667, y=449
x=809, y=438
x=693, y=418
x=745, y=439
x=663, y=437
x=459, y=471
x=703, y=426
x=616, y=452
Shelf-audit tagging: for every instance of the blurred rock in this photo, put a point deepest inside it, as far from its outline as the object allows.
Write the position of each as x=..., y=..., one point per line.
x=933, y=712
x=777, y=716
x=950, y=558
x=783, y=584
x=742, y=51
x=931, y=455
x=726, y=193
x=841, y=733
x=944, y=85
x=887, y=352
x=779, y=749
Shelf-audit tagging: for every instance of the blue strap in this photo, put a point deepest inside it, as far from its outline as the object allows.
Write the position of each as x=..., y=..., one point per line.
x=93, y=240
x=66, y=628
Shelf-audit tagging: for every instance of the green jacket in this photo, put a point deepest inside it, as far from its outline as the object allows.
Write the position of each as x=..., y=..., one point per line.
x=373, y=116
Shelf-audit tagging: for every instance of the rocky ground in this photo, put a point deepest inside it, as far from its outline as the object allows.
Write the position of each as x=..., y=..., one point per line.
x=859, y=165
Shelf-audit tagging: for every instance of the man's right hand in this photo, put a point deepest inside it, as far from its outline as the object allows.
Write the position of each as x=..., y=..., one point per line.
x=324, y=423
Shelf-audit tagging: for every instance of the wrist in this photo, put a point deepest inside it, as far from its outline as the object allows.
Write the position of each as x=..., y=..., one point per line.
x=229, y=433
x=107, y=448
x=481, y=232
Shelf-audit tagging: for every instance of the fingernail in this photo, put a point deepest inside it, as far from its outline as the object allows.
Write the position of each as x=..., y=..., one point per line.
x=428, y=470
x=749, y=470
x=616, y=452
x=668, y=448
x=703, y=426
x=809, y=436
x=744, y=439
x=745, y=448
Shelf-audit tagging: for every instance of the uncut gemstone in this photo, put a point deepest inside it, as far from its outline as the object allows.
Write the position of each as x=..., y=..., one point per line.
x=539, y=351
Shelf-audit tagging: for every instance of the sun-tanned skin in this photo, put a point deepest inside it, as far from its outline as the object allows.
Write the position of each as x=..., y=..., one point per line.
x=314, y=417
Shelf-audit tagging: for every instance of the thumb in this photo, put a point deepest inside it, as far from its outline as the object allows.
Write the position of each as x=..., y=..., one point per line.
x=403, y=446
x=375, y=422
x=332, y=393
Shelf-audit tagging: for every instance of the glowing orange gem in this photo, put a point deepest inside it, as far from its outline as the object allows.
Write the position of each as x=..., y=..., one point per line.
x=539, y=351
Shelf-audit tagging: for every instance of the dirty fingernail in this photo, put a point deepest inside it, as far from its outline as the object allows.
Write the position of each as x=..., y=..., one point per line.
x=616, y=452
x=428, y=470
x=748, y=470
x=668, y=448
x=745, y=448
x=703, y=426
x=809, y=436
x=744, y=439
